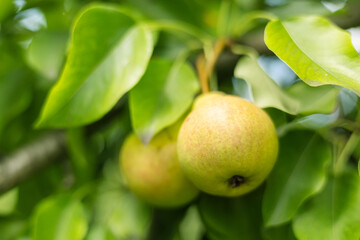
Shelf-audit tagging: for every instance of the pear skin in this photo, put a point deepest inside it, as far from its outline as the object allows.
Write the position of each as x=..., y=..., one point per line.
x=227, y=145
x=153, y=172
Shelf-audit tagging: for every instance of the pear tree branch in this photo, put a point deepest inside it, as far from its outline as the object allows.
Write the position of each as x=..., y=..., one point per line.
x=28, y=160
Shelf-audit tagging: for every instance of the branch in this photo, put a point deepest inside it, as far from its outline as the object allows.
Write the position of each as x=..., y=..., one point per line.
x=30, y=159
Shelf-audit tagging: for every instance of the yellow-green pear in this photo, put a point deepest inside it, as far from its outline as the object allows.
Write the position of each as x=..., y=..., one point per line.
x=153, y=171
x=227, y=145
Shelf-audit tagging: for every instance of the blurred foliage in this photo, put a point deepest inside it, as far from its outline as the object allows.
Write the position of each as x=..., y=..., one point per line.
x=66, y=62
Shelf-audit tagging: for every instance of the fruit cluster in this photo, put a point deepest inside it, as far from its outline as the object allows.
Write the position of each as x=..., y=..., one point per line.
x=226, y=146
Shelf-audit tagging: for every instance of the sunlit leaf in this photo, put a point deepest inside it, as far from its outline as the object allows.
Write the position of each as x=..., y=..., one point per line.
x=318, y=51
x=334, y=214
x=108, y=56
x=164, y=93
x=298, y=174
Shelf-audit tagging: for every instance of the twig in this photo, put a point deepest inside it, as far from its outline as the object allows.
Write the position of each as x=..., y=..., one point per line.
x=30, y=159
x=346, y=152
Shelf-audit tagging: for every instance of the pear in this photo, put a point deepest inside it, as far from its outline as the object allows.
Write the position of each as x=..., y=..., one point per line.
x=227, y=145
x=153, y=171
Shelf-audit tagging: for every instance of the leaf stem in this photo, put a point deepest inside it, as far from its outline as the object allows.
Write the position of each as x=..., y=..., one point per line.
x=347, y=150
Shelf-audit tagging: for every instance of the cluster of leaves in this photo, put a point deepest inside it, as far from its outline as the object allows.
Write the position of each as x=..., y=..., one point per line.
x=100, y=70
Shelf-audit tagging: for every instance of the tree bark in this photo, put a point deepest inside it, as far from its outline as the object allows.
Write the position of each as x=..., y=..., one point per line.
x=29, y=159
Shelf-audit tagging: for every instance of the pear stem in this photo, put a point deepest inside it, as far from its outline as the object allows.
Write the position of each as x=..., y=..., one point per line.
x=206, y=68
x=200, y=65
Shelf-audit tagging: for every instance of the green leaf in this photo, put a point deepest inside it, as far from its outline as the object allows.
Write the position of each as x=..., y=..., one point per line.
x=322, y=99
x=278, y=117
x=265, y=92
x=283, y=232
x=99, y=232
x=15, y=95
x=8, y=202
x=117, y=210
x=15, y=85
x=6, y=6
x=165, y=223
x=37, y=188
x=196, y=13
x=318, y=51
x=12, y=228
x=299, y=98
x=303, y=158
x=186, y=10
x=108, y=56
x=347, y=101
x=59, y=218
x=191, y=227
x=230, y=218
x=121, y=212
x=334, y=214
x=299, y=8
x=16, y=90
x=311, y=122
x=164, y=93
x=46, y=52
x=81, y=157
